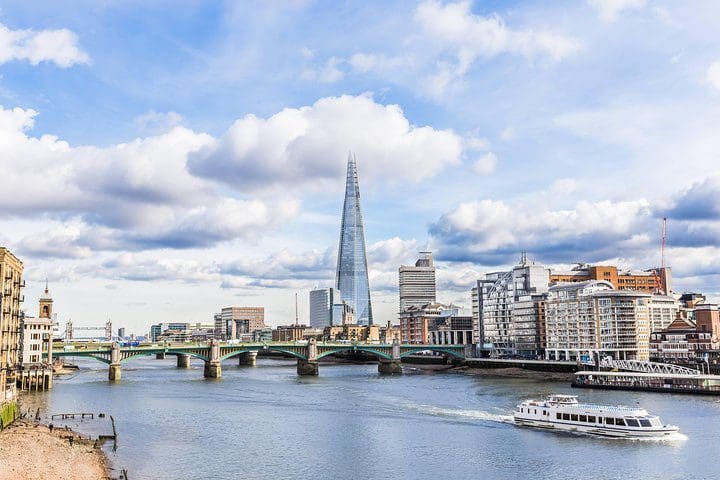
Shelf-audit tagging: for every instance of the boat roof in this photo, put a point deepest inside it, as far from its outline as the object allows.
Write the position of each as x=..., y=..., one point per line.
x=649, y=375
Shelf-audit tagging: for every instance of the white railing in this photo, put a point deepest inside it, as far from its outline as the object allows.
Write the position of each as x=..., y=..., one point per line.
x=647, y=367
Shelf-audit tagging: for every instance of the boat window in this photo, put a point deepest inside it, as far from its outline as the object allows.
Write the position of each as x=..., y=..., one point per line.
x=645, y=423
x=632, y=422
x=566, y=416
x=558, y=416
x=583, y=418
x=620, y=421
x=591, y=419
x=573, y=418
x=609, y=421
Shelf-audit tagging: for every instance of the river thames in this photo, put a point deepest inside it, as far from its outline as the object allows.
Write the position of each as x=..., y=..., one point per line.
x=266, y=422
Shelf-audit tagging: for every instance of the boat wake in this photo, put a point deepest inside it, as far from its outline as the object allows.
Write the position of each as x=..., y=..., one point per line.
x=460, y=414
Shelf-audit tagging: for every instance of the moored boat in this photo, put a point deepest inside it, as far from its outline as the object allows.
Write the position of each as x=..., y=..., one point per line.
x=564, y=413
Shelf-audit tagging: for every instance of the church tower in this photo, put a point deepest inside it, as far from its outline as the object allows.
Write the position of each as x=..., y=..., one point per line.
x=46, y=304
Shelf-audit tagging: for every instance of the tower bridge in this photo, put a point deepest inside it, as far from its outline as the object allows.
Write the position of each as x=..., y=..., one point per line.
x=214, y=353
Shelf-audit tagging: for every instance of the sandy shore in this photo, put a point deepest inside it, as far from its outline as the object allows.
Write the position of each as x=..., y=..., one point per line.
x=31, y=451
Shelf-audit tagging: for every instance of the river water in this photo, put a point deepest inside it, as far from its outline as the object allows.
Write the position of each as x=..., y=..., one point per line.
x=266, y=422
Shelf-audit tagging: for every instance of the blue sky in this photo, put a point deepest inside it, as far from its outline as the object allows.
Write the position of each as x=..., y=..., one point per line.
x=161, y=160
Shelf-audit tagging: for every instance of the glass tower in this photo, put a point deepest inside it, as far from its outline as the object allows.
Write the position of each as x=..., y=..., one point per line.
x=352, y=273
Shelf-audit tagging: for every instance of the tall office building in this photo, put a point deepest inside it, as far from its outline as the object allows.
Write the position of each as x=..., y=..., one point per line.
x=417, y=284
x=352, y=273
x=325, y=307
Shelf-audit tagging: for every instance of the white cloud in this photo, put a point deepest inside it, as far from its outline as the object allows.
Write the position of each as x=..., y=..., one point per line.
x=330, y=72
x=564, y=186
x=157, y=122
x=310, y=144
x=488, y=228
x=58, y=46
x=131, y=195
x=609, y=10
x=713, y=75
x=456, y=27
x=486, y=164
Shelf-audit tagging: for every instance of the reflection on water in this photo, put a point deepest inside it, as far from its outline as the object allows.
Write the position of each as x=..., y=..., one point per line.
x=266, y=422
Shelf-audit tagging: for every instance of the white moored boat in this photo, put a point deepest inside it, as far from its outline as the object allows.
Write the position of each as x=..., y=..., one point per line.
x=563, y=412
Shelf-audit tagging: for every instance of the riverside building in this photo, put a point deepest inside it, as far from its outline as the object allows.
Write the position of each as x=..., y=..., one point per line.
x=11, y=285
x=417, y=283
x=37, y=333
x=507, y=310
x=417, y=322
x=585, y=318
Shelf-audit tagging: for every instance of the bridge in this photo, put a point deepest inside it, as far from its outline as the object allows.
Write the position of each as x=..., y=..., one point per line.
x=214, y=353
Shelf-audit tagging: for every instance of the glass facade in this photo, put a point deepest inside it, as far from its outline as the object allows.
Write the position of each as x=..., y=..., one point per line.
x=352, y=273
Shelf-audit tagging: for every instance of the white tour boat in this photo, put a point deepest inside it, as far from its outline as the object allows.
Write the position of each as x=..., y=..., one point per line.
x=563, y=412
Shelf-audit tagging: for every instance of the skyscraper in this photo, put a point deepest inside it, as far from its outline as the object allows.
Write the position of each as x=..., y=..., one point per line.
x=352, y=274
x=325, y=307
x=417, y=284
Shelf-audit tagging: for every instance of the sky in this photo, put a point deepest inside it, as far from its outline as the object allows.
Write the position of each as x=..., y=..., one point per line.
x=160, y=160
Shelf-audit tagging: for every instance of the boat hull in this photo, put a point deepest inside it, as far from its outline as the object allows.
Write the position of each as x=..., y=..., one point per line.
x=594, y=429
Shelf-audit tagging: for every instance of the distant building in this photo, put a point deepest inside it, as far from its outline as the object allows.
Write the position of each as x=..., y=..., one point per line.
x=11, y=285
x=220, y=328
x=262, y=335
x=186, y=332
x=417, y=283
x=453, y=330
x=121, y=334
x=417, y=322
x=662, y=311
x=353, y=332
x=656, y=280
x=240, y=320
x=507, y=310
x=585, y=318
x=707, y=320
x=159, y=329
x=289, y=333
x=326, y=307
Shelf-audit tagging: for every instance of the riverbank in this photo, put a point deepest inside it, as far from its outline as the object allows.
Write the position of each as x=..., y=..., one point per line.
x=514, y=372
x=31, y=451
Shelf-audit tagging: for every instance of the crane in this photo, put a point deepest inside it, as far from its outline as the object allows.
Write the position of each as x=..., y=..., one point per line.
x=660, y=286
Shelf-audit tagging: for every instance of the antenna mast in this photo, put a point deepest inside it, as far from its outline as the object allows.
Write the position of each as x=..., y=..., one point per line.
x=296, y=311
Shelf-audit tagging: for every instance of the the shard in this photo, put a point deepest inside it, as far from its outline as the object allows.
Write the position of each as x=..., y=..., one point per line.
x=352, y=274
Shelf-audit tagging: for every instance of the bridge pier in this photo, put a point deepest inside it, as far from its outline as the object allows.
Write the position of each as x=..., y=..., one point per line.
x=160, y=356
x=115, y=371
x=390, y=367
x=183, y=361
x=394, y=365
x=309, y=366
x=213, y=367
x=247, y=358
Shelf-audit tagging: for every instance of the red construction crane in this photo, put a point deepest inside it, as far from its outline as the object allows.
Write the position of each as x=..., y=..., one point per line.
x=659, y=287
x=662, y=246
